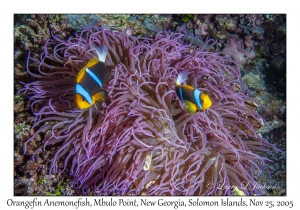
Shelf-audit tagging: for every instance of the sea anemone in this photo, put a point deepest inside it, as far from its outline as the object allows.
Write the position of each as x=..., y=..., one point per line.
x=105, y=147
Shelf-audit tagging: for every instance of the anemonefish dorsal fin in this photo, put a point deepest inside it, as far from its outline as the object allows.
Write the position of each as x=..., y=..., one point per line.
x=182, y=76
x=191, y=107
x=100, y=96
x=187, y=87
x=92, y=62
x=101, y=51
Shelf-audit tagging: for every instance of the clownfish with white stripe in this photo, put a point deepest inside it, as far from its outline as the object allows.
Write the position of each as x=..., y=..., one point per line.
x=91, y=78
x=194, y=99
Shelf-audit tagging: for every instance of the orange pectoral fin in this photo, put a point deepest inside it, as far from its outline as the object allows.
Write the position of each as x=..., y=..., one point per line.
x=191, y=107
x=100, y=96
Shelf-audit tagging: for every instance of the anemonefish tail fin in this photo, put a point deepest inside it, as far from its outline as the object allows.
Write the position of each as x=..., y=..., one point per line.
x=100, y=96
x=182, y=76
x=101, y=51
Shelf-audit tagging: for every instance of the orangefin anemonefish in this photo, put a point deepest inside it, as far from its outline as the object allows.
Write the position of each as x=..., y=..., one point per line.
x=194, y=99
x=90, y=80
